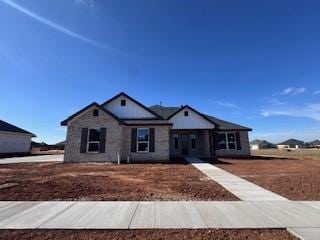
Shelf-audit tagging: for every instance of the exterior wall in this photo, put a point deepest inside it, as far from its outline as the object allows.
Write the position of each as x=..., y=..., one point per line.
x=289, y=146
x=131, y=110
x=11, y=142
x=87, y=120
x=192, y=121
x=245, y=147
x=202, y=143
x=161, y=144
x=254, y=146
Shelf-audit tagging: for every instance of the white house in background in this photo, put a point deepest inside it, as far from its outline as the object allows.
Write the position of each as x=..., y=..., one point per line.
x=261, y=144
x=314, y=144
x=291, y=143
x=14, y=139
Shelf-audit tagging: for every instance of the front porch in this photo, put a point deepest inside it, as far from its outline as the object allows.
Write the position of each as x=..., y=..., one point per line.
x=191, y=142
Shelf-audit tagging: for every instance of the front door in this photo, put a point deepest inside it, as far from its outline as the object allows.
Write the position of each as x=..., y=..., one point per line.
x=184, y=144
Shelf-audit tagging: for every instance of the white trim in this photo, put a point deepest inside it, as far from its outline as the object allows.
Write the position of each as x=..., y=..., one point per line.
x=88, y=142
x=227, y=142
x=143, y=141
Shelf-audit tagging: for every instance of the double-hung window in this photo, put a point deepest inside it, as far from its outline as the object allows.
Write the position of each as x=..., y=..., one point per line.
x=227, y=141
x=143, y=139
x=93, y=141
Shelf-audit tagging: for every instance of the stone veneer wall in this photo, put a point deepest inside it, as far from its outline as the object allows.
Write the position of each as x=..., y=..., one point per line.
x=87, y=120
x=161, y=144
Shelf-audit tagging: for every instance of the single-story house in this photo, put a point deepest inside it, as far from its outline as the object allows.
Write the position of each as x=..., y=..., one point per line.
x=37, y=147
x=60, y=145
x=291, y=143
x=122, y=128
x=261, y=144
x=14, y=139
x=314, y=144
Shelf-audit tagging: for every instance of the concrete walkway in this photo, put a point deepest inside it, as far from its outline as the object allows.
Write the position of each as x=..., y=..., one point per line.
x=239, y=187
x=159, y=215
x=32, y=159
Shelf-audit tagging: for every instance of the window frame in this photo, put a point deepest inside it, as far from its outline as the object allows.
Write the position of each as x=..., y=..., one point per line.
x=227, y=141
x=88, y=140
x=95, y=113
x=193, y=137
x=143, y=141
x=123, y=102
x=186, y=113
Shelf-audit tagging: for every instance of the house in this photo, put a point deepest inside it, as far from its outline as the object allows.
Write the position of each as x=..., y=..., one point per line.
x=60, y=145
x=291, y=143
x=315, y=143
x=37, y=147
x=124, y=128
x=14, y=139
x=261, y=144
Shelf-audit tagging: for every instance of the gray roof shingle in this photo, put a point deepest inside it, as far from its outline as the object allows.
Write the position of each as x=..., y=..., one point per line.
x=166, y=112
x=7, y=127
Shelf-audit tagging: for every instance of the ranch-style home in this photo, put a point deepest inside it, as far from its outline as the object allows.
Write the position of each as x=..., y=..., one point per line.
x=123, y=128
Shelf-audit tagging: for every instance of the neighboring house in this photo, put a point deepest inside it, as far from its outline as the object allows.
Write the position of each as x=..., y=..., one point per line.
x=291, y=143
x=314, y=144
x=14, y=139
x=39, y=147
x=261, y=144
x=123, y=127
x=60, y=145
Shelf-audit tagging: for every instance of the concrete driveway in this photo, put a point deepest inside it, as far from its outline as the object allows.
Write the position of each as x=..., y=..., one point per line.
x=32, y=159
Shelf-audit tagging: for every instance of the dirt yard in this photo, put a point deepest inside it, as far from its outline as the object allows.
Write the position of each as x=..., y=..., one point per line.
x=291, y=178
x=270, y=234
x=88, y=181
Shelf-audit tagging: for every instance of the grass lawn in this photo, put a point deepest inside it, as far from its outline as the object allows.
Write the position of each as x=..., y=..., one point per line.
x=265, y=234
x=174, y=181
x=297, y=153
x=295, y=178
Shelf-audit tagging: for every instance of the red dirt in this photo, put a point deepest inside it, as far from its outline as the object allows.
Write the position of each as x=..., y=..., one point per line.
x=89, y=181
x=291, y=178
x=266, y=234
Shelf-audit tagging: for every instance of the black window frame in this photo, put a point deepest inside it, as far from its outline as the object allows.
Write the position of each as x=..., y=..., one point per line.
x=95, y=112
x=186, y=113
x=91, y=142
x=123, y=102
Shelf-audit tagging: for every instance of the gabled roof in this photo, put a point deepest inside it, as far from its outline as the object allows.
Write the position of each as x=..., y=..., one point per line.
x=133, y=100
x=39, y=144
x=315, y=142
x=167, y=112
x=94, y=104
x=292, y=141
x=192, y=109
x=7, y=127
x=62, y=143
x=261, y=142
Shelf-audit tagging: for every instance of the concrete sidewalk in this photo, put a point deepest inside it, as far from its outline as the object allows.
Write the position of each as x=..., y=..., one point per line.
x=239, y=187
x=158, y=215
x=32, y=159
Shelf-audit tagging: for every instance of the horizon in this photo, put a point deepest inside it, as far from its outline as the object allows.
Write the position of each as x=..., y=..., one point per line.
x=254, y=64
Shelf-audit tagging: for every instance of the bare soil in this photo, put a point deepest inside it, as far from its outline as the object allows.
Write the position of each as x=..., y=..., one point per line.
x=266, y=234
x=292, y=178
x=89, y=181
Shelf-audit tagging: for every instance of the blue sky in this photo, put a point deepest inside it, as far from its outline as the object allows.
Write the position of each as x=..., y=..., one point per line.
x=256, y=63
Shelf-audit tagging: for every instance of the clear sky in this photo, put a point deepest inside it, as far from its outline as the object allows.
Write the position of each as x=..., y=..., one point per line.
x=256, y=63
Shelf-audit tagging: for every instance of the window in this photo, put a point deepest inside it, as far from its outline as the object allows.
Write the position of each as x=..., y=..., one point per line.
x=227, y=141
x=94, y=140
x=231, y=141
x=222, y=141
x=176, y=141
x=143, y=139
x=123, y=102
x=193, y=141
x=95, y=112
x=186, y=113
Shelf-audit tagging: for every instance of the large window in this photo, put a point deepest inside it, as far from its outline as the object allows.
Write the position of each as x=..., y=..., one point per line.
x=94, y=140
x=227, y=141
x=143, y=139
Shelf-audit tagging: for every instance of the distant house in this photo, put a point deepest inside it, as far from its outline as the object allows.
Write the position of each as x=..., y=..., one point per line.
x=60, y=145
x=39, y=147
x=315, y=144
x=291, y=143
x=14, y=139
x=261, y=144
